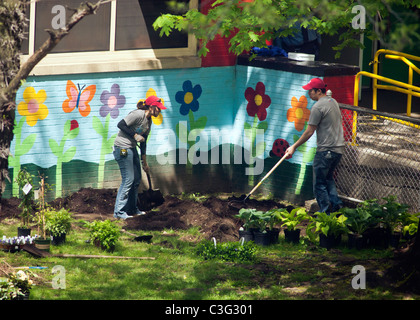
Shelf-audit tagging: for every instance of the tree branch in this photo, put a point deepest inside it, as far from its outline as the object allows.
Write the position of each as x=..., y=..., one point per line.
x=55, y=37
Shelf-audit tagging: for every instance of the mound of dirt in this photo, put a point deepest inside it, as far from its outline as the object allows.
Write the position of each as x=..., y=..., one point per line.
x=214, y=216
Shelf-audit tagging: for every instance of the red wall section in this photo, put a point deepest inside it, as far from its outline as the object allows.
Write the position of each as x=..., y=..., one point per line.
x=342, y=88
x=219, y=54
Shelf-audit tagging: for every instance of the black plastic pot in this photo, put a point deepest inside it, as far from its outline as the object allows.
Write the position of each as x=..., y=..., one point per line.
x=248, y=235
x=292, y=235
x=356, y=241
x=23, y=232
x=262, y=238
x=274, y=235
x=57, y=240
x=329, y=241
x=394, y=240
x=377, y=238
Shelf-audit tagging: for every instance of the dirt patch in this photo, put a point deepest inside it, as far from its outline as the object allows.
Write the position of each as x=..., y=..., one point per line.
x=214, y=216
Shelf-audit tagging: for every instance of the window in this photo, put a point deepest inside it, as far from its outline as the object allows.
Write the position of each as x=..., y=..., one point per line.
x=119, y=37
x=134, y=26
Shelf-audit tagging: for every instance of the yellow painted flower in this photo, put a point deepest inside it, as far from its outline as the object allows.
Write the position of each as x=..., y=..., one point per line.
x=159, y=119
x=33, y=107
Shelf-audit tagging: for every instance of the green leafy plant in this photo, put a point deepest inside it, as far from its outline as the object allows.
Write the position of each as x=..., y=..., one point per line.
x=249, y=217
x=333, y=224
x=274, y=217
x=393, y=213
x=292, y=219
x=25, y=183
x=104, y=233
x=410, y=224
x=227, y=251
x=58, y=222
x=358, y=219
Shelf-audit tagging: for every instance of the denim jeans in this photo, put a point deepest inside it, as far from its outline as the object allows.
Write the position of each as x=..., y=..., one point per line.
x=324, y=187
x=126, y=201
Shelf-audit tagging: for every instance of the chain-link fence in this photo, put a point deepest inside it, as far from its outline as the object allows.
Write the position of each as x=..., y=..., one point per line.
x=382, y=157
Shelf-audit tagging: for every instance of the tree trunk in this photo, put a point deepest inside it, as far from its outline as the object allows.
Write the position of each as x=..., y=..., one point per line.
x=12, y=23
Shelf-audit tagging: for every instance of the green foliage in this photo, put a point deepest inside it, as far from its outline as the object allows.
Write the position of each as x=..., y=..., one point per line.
x=292, y=219
x=358, y=219
x=227, y=251
x=332, y=224
x=58, y=222
x=254, y=219
x=252, y=23
x=105, y=232
x=25, y=178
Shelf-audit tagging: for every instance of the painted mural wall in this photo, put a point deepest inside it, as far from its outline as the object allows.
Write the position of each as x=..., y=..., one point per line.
x=222, y=130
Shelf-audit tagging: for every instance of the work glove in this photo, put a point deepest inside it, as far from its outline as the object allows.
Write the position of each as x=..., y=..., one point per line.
x=138, y=138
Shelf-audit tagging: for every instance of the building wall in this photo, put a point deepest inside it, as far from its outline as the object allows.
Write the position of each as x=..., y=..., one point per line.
x=72, y=147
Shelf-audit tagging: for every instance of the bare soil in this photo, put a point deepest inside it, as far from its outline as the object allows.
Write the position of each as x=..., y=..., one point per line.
x=215, y=216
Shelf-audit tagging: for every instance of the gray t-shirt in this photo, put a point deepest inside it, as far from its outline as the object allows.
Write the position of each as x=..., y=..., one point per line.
x=137, y=121
x=326, y=115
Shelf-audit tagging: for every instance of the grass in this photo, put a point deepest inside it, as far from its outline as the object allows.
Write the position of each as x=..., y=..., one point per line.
x=282, y=272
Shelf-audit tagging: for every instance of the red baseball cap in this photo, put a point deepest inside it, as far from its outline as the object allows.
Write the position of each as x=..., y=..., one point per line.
x=315, y=83
x=154, y=101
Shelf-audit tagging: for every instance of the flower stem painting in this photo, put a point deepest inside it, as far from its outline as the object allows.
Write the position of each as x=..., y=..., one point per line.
x=258, y=102
x=71, y=130
x=112, y=102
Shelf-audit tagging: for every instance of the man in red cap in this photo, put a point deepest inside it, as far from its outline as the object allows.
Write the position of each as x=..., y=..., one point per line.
x=325, y=119
x=134, y=128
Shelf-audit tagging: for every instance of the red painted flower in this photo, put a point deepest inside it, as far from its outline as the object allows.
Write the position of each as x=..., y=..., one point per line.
x=258, y=101
x=74, y=125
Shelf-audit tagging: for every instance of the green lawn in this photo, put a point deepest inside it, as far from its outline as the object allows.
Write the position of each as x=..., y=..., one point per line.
x=282, y=271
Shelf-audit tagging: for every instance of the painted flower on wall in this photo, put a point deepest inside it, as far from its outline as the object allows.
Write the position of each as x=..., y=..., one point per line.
x=159, y=119
x=33, y=107
x=188, y=97
x=258, y=101
x=112, y=102
x=298, y=113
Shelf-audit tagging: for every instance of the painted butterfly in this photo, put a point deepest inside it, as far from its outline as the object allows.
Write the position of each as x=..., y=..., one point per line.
x=78, y=97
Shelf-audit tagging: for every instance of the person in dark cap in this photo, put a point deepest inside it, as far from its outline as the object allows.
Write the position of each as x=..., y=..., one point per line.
x=134, y=129
x=325, y=119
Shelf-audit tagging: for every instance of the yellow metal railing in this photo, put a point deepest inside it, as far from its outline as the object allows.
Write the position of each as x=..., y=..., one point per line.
x=398, y=86
x=395, y=55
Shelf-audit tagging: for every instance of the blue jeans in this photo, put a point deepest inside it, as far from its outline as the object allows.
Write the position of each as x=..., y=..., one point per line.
x=126, y=201
x=324, y=187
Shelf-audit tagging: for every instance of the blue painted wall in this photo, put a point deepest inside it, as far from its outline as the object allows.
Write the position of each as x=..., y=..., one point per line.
x=223, y=124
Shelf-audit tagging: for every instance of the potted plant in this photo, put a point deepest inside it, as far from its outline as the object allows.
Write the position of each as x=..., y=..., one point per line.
x=42, y=243
x=104, y=234
x=261, y=220
x=410, y=225
x=58, y=224
x=290, y=221
x=22, y=281
x=393, y=218
x=274, y=219
x=249, y=217
x=25, y=182
x=329, y=227
x=358, y=221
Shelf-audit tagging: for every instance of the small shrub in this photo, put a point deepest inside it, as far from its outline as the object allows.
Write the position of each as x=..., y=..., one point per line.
x=227, y=251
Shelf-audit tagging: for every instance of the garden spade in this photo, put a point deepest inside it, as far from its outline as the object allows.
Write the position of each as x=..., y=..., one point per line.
x=150, y=198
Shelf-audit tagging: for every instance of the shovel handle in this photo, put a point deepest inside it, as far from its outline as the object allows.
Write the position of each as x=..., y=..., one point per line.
x=149, y=180
x=266, y=176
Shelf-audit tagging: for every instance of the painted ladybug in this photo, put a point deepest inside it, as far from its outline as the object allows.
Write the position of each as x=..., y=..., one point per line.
x=279, y=148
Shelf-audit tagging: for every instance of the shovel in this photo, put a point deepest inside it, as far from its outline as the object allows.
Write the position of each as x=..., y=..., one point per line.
x=259, y=183
x=150, y=198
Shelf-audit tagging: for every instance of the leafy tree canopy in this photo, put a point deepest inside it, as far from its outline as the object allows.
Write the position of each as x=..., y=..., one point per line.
x=253, y=22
